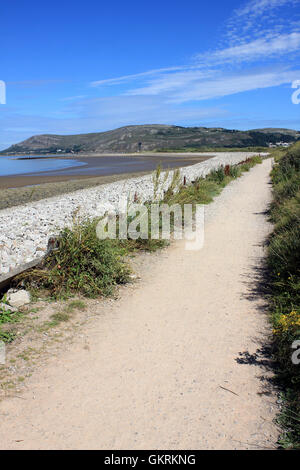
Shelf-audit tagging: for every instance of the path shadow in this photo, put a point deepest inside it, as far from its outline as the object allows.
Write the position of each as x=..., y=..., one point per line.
x=263, y=359
x=258, y=290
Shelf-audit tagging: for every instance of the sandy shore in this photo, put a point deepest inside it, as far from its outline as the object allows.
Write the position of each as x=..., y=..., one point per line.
x=99, y=165
x=20, y=189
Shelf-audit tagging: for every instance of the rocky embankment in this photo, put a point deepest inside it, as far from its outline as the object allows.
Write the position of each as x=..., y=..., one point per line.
x=25, y=230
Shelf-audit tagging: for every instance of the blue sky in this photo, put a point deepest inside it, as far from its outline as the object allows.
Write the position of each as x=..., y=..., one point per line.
x=77, y=67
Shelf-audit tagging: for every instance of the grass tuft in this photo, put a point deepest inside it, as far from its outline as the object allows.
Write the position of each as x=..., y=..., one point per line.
x=81, y=264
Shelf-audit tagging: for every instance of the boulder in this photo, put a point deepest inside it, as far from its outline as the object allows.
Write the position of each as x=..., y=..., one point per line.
x=18, y=298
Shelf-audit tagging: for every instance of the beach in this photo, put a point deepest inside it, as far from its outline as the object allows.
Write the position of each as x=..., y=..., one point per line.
x=97, y=170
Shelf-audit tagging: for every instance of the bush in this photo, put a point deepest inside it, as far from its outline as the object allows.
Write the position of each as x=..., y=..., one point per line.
x=284, y=269
x=234, y=171
x=255, y=160
x=82, y=263
x=217, y=175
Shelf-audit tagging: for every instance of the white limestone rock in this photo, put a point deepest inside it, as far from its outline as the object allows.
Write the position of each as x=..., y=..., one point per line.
x=18, y=298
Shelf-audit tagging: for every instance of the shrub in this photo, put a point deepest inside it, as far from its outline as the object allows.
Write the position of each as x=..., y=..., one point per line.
x=217, y=175
x=284, y=269
x=82, y=263
x=255, y=160
x=234, y=171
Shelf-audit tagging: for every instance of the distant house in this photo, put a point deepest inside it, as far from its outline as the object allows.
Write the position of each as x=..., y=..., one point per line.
x=279, y=144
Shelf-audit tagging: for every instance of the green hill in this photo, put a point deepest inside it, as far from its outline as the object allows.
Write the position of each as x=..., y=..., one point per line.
x=151, y=137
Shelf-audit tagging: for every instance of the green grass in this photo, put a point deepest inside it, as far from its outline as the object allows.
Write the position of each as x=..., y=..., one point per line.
x=203, y=190
x=284, y=270
x=60, y=317
x=55, y=320
x=7, y=317
x=214, y=149
x=82, y=264
x=7, y=336
x=75, y=305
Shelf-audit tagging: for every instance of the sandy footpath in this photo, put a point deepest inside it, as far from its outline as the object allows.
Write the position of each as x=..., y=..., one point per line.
x=158, y=369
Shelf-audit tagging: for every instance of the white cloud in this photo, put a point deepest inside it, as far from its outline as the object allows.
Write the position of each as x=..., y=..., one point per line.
x=170, y=80
x=136, y=109
x=73, y=98
x=256, y=32
x=259, y=7
x=167, y=83
x=255, y=50
x=231, y=85
x=260, y=18
x=132, y=77
x=224, y=85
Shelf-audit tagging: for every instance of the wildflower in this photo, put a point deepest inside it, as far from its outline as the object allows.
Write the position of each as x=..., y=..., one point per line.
x=289, y=322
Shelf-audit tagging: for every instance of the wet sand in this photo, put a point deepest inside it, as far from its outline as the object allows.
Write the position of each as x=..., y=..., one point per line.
x=20, y=189
x=104, y=165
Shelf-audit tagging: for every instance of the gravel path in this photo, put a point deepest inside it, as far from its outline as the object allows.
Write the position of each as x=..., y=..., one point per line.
x=25, y=230
x=172, y=363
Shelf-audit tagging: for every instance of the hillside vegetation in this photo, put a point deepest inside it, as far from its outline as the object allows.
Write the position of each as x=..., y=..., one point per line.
x=284, y=269
x=152, y=137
